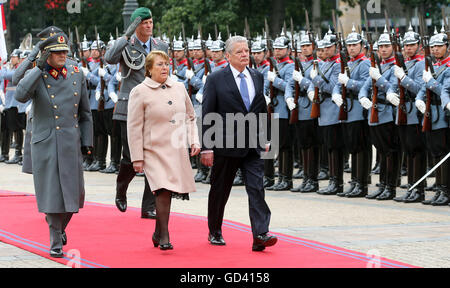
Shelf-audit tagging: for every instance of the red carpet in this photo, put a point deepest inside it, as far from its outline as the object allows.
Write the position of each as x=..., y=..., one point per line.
x=101, y=236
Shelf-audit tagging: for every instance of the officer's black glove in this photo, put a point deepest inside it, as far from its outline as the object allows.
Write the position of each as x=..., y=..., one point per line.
x=35, y=51
x=132, y=28
x=86, y=150
x=40, y=63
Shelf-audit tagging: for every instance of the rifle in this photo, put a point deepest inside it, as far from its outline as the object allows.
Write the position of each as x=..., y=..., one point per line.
x=190, y=65
x=171, y=44
x=343, y=111
x=374, y=111
x=207, y=66
x=294, y=113
x=249, y=39
x=101, y=101
x=315, y=106
x=80, y=49
x=273, y=65
x=400, y=62
x=428, y=67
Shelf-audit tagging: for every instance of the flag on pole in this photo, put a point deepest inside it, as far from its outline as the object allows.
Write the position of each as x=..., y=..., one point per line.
x=3, y=51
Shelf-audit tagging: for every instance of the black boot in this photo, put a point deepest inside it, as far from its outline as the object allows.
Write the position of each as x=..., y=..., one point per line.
x=287, y=170
x=362, y=169
x=268, y=182
x=18, y=153
x=419, y=166
x=392, y=174
x=444, y=197
x=332, y=181
x=382, y=178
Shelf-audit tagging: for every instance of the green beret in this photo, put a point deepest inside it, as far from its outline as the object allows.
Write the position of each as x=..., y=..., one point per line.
x=142, y=12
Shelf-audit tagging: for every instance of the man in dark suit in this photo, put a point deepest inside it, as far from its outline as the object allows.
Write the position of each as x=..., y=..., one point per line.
x=235, y=91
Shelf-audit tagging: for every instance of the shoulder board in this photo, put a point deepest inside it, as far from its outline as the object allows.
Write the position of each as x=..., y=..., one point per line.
x=75, y=69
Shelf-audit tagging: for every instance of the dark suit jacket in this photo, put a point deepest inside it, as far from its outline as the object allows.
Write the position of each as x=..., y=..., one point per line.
x=221, y=96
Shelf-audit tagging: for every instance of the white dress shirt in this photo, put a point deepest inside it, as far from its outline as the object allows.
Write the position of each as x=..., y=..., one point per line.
x=249, y=80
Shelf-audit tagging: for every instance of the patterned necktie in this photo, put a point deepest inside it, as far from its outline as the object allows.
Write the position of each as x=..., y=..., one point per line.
x=244, y=91
x=145, y=47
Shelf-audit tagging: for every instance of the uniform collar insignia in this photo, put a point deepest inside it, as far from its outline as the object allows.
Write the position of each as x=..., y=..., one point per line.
x=446, y=61
x=389, y=60
x=360, y=56
x=264, y=63
x=55, y=72
x=417, y=56
x=285, y=59
x=183, y=62
x=221, y=62
x=334, y=58
x=310, y=58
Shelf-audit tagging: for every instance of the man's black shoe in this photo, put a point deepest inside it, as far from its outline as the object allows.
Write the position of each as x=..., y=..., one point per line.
x=216, y=240
x=56, y=253
x=149, y=214
x=262, y=241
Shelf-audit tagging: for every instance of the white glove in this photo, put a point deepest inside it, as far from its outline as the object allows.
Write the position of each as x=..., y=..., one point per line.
x=113, y=97
x=101, y=72
x=97, y=95
x=393, y=98
x=297, y=76
x=28, y=109
x=313, y=73
x=421, y=106
x=271, y=76
x=118, y=77
x=2, y=108
x=204, y=79
x=85, y=71
x=343, y=79
x=374, y=73
x=2, y=96
x=199, y=97
x=290, y=103
x=426, y=76
x=311, y=96
x=337, y=98
x=267, y=100
x=399, y=72
x=365, y=103
x=174, y=77
x=189, y=74
x=448, y=106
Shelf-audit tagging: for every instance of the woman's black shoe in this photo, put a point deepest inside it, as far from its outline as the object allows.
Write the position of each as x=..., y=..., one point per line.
x=155, y=240
x=167, y=246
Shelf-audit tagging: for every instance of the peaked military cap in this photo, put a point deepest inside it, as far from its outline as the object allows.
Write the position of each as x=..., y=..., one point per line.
x=56, y=43
x=48, y=32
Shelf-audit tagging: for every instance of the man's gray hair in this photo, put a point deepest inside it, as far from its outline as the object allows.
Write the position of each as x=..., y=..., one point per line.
x=231, y=41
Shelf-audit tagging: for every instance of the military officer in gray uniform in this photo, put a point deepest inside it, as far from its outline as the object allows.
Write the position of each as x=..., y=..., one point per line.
x=130, y=51
x=62, y=129
x=26, y=65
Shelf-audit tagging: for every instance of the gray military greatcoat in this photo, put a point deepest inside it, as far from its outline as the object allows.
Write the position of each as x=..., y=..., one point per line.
x=131, y=56
x=62, y=123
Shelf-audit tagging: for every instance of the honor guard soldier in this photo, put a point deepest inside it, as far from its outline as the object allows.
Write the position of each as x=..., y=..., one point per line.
x=259, y=53
x=411, y=137
x=438, y=135
x=110, y=128
x=383, y=133
x=130, y=51
x=285, y=68
x=14, y=111
x=100, y=135
x=325, y=77
x=355, y=127
x=62, y=129
x=306, y=128
x=181, y=62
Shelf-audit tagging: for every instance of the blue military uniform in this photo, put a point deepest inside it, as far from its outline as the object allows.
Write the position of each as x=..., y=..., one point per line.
x=307, y=129
x=326, y=79
x=384, y=133
x=285, y=68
